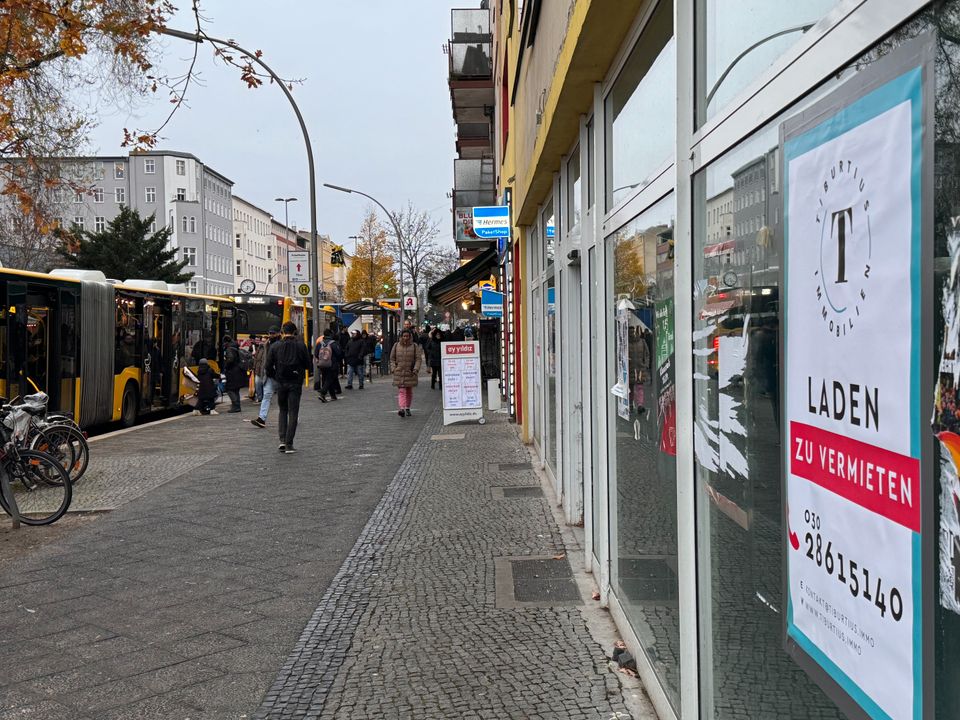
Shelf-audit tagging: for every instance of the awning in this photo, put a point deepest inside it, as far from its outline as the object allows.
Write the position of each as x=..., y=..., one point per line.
x=458, y=283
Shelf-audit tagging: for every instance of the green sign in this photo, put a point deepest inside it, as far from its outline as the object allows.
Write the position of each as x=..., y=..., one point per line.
x=663, y=329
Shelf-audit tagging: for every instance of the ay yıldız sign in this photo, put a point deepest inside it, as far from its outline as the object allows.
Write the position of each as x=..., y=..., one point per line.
x=852, y=352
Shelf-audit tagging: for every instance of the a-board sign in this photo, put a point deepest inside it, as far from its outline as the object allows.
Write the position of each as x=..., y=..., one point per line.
x=462, y=388
x=855, y=494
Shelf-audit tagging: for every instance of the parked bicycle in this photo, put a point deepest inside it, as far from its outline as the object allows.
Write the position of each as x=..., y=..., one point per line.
x=55, y=434
x=34, y=487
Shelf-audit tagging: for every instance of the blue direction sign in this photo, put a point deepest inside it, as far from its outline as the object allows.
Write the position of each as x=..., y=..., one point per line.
x=491, y=304
x=491, y=222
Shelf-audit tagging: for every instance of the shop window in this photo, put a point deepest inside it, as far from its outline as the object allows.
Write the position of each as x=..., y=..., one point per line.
x=641, y=109
x=643, y=438
x=550, y=366
x=739, y=39
x=574, y=199
x=549, y=225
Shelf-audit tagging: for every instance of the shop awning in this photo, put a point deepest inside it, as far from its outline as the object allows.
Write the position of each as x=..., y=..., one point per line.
x=458, y=283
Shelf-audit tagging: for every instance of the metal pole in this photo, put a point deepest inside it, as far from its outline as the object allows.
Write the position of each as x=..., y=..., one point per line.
x=396, y=229
x=253, y=57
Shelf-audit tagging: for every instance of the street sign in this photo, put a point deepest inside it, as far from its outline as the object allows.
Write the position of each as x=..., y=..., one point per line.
x=487, y=284
x=410, y=302
x=303, y=290
x=491, y=304
x=298, y=266
x=491, y=222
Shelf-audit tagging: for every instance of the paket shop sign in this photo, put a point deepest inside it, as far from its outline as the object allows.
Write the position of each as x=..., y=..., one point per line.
x=852, y=355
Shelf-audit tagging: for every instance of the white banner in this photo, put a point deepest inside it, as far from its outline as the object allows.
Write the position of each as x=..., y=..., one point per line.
x=851, y=378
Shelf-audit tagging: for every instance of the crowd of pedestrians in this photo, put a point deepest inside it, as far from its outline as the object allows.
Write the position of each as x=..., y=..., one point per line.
x=277, y=366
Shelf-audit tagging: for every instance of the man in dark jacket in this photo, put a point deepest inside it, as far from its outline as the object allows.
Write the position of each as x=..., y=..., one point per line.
x=354, y=359
x=342, y=339
x=236, y=376
x=288, y=361
x=328, y=365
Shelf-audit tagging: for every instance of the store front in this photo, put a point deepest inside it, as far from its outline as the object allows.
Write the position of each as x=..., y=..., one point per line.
x=659, y=275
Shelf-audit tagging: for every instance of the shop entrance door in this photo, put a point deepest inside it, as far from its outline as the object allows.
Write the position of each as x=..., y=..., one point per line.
x=571, y=423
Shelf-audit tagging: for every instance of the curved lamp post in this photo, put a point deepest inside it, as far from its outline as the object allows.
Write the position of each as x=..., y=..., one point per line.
x=396, y=229
x=253, y=57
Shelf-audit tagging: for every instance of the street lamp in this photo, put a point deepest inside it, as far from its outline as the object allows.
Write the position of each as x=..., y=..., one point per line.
x=396, y=229
x=286, y=220
x=255, y=58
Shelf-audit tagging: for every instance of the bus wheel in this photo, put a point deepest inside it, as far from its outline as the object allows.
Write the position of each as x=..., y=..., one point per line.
x=128, y=406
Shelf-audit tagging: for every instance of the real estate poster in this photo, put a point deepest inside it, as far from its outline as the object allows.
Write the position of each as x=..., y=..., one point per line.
x=851, y=354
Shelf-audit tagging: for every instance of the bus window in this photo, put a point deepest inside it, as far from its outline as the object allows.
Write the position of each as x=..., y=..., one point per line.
x=128, y=333
x=67, y=342
x=38, y=346
x=198, y=332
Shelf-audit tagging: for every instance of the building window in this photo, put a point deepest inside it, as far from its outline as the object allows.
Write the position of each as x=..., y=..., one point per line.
x=99, y=223
x=269, y=253
x=98, y=195
x=151, y=194
x=642, y=456
x=239, y=267
x=149, y=166
x=98, y=171
x=181, y=193
x=193, y=224
x=648, y=79
x=153, y=226
x=238, y=239
x=190, y=255
x=574, y=200
x=120, y=195
x=183, y=223
x=78, y=197
x=181, y=167
x=78, y=221
x=119, y=171
x=192, y=287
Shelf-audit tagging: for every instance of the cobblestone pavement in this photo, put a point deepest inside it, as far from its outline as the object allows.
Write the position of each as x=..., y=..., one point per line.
x=411, y=626
x=355, y=579
x=184, y=601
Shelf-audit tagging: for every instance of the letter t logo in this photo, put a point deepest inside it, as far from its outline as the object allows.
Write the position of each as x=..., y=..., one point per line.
x=842, y=220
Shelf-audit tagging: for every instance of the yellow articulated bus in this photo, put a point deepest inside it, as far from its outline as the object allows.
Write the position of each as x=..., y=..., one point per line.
x=103, y=350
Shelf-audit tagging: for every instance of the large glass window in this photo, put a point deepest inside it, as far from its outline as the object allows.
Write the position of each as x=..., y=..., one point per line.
x=574, y=201
x=537, y=308
x=550, y=388
x=643, y=466
x=641, y=109
x=739, y=39
x=549, y=225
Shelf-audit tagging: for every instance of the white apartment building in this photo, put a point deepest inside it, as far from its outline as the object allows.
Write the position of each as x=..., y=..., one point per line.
x=254, y=247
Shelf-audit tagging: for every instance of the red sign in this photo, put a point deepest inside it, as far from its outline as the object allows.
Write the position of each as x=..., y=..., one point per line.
x=462, y=349
x=879, y=480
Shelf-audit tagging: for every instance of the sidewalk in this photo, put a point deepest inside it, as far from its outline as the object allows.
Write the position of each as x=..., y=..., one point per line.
x=393, y=568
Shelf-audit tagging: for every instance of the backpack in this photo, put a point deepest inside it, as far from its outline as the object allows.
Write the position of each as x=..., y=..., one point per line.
x=245, y=359
x=287, y=362
x=324, y=356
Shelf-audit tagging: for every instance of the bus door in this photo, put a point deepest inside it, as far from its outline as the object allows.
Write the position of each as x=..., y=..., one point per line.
x=149, y=357
x=63, y=393
x=162, y=352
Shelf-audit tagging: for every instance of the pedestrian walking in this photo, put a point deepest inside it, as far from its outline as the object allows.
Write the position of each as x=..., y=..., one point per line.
x=327, y=356
x=369, y=346
x=342, y=339
x=288, y=361
x=353, y=355
x=378, y=355
x=206, y=389
x=434, y=348
x=235, y=375
x=405, y=359
x=266, y=383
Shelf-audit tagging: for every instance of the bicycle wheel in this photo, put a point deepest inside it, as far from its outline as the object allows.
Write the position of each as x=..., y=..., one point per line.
x=41, y=501
x=67, y=445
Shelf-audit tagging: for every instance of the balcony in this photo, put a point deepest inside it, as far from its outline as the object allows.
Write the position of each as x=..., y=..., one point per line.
x=473, y=185
x=471, y=79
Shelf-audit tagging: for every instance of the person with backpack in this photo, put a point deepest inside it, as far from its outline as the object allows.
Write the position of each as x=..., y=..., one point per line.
x=288, y=361
x=235, y=374
x=266, y=383
x=405, y=359
x=327, y=355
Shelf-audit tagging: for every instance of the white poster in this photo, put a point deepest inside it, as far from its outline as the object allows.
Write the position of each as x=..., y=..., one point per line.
x=852, y=397
x=462, y=387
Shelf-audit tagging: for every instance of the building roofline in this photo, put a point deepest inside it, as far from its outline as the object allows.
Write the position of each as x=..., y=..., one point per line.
x=255, y=207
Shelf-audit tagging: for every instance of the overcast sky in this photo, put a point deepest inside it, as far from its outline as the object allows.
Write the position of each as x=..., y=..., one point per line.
x=374, y=97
